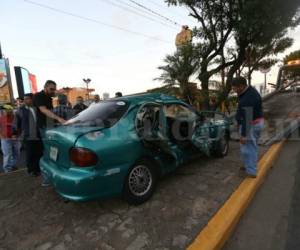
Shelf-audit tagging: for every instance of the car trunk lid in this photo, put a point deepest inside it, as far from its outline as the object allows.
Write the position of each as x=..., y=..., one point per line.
x=58, y=142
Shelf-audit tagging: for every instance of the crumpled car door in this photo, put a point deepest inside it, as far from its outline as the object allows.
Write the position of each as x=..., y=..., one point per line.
x=152, y=129
x=201, y=137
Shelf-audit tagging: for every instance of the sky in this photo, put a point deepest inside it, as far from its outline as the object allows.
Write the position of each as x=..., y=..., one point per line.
x=101, y=44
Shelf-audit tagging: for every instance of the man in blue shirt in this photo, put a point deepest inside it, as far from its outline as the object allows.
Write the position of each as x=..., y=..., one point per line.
x=250, y=121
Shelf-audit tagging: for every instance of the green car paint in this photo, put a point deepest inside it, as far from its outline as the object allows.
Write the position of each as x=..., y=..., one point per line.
x=118, y=148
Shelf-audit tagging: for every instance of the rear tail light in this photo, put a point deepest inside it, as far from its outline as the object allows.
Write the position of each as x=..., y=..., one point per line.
x=83, y=157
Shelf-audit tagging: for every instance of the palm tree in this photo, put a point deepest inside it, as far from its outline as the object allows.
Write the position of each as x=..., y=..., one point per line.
x=179, y=69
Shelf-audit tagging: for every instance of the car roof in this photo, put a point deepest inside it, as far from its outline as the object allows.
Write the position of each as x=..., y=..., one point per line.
x=148, y=97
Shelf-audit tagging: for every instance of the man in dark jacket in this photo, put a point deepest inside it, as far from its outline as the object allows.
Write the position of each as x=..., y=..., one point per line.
x=79, y=106
x=250, y=121
x=63, y=110
x=42, y=101
x=25, y=122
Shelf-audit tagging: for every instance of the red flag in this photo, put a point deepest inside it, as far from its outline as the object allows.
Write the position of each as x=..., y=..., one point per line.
x=32, y=79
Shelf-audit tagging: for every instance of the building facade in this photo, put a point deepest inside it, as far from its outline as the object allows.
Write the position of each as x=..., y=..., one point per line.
x=73, y=93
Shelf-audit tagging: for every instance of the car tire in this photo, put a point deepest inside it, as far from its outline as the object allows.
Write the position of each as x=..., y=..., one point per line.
x=221, y=147
x=140, y=182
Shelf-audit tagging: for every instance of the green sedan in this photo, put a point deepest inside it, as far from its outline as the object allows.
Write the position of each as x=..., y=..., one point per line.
x=122, y=146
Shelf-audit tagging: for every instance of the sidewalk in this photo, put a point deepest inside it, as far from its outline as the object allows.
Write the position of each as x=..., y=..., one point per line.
x=270, y=223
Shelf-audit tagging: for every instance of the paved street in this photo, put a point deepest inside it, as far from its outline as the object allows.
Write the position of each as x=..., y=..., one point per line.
x=272, y=220
x=33, y=217
x=181, y=206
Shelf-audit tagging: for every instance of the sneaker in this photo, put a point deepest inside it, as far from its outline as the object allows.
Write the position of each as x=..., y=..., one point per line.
x=14, y=169
x=36, y=174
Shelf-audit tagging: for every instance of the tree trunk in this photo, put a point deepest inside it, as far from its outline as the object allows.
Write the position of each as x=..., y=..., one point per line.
x=234, y=68
x=249, y=75
x=185, y=93
x=205, y=91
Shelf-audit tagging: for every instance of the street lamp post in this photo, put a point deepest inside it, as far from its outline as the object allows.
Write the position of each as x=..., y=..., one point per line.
x=87, y=82
x=265, y=71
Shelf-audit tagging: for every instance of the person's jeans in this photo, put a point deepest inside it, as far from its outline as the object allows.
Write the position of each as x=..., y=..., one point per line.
x=249, y=151
x=11, y=153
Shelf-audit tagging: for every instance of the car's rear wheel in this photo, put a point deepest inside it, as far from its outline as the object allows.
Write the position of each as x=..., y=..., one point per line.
x=140, y=182
x=221, y=146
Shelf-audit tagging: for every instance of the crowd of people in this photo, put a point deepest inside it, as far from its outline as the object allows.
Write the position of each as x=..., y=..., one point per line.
x=23, y=126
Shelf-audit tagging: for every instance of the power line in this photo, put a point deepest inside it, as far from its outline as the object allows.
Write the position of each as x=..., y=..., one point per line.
x=136, y=13
x=154, y=12
x=139, y=9
x=157, y=4
x=162, y=6
x=95, y=21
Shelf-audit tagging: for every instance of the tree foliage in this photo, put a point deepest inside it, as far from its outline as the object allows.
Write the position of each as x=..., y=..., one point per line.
x=292, y=72
x=178, y=70
x=225, y=30
x=295, y=55
x=264, y=57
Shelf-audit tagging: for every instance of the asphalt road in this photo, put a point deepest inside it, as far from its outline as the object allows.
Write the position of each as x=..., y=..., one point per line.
x=272, y=221
x=36, y=218
x=33, y=217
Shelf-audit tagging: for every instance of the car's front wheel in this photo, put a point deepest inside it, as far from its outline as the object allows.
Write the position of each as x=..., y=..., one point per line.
x=140, y=182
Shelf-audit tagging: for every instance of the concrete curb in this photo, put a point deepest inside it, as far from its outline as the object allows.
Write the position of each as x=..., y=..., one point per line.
x=221, y=225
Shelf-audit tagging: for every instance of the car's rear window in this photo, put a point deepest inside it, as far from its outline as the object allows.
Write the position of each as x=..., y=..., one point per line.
x=103, y=114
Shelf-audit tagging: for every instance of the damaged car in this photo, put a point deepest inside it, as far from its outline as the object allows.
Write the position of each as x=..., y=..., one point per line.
x=121, y=147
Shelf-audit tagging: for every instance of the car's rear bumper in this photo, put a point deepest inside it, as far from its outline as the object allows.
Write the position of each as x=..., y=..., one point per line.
x=85, y=184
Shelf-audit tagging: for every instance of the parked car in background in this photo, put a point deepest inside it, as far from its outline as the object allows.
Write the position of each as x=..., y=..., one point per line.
x=122, y=146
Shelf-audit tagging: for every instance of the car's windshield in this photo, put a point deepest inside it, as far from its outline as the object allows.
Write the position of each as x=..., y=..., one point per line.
x=103, y=114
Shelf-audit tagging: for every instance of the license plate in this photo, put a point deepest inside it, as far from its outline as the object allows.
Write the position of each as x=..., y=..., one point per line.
x=53, y=153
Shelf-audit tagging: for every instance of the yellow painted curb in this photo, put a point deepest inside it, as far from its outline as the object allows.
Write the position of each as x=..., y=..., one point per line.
x=221, y=225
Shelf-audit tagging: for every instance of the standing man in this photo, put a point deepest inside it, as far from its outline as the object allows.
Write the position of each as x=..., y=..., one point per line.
x=118, y=94
x=79, y=106
x=19, y=102
x=42, y=101
x=250, y=121
x=10, y=144
x=26, y=122
x=63, y=110
x=96, y=99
